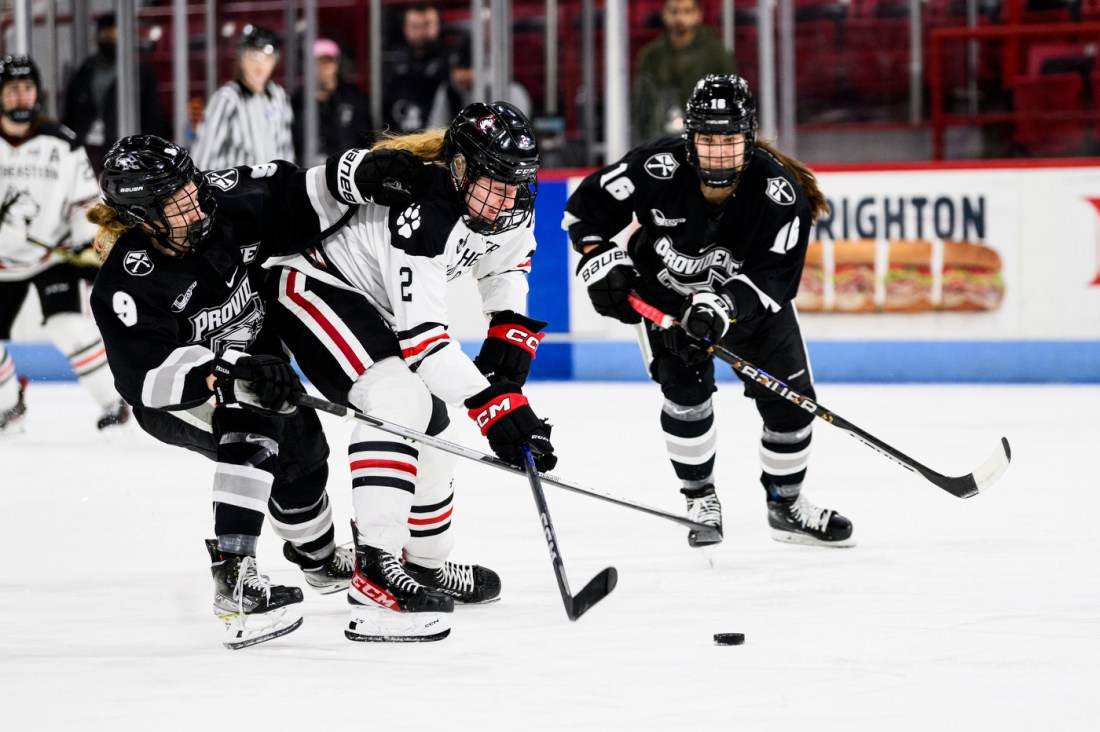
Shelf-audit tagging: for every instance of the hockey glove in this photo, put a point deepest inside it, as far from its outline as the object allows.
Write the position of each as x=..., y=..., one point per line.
x=385, y=177
x=608, y=273
x=265, y=384
x=502, y=413
x=509, y=347
x=708, y=316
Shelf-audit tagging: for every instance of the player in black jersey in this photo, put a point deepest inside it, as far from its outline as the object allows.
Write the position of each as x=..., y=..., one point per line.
x=178, y=300
x=725, y=220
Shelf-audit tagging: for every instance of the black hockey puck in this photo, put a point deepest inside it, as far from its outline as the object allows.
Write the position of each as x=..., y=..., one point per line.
x=729, y=639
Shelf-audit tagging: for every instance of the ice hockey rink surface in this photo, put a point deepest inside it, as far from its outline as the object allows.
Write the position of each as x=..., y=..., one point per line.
x=950, y=614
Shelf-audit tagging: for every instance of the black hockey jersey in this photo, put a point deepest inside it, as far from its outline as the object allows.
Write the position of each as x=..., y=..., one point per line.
x=164, y=319
x=753, y=245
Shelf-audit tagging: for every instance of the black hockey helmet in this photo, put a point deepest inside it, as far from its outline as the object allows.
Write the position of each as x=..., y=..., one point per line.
x=495, y=141
x=21, y=68
x=258, y=38
x=720, y=105
x=139, y=173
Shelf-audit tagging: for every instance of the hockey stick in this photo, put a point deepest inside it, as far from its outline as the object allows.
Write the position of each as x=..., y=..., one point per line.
x=965, y=486
x=599, y=586
x=323, y=405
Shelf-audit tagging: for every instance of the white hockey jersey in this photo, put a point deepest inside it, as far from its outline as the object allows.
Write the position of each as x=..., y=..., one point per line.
x=46, y=187
x=401, y=259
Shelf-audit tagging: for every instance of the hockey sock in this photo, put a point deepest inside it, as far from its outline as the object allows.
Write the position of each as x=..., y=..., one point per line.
x=783, y=460
x=76, y=336
x=9, y=385
x=300, y=514
x=383, y=482
x=242, y=487
x=690, y=438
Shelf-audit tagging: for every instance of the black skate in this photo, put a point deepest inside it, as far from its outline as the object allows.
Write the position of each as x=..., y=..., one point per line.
x=468, y=584
x=797, y=521
x=253, y=609
x=387, y=605
x=326, y=576
x=11, y=420
x=114, y=416
x=704, y=508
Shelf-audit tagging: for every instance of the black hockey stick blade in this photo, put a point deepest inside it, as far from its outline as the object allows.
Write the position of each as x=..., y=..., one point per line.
x=599, y=586
x=965, y=486
x=597, y=589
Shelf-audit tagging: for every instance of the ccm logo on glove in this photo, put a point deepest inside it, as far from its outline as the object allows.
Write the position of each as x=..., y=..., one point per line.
x=524, y=339
x=489, y=413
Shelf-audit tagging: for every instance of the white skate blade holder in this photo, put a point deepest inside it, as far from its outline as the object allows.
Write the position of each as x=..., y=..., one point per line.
x=244, y=630
x=381, y=625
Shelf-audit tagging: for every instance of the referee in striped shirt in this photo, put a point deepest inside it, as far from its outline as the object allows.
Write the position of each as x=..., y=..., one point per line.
x=248, y=120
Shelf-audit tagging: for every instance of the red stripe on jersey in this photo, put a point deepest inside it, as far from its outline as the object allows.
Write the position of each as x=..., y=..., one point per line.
x=77, y=363
x=383, y=465
x=321, y=320
x=523, y=264
x=410, y=352
x=437, y=520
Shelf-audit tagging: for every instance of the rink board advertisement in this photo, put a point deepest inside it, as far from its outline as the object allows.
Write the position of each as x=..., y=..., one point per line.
x=920, y=274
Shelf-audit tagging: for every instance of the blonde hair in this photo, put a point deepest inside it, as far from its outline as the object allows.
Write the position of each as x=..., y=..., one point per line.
x=111, y=227
x=424, y=145
x=818, y=205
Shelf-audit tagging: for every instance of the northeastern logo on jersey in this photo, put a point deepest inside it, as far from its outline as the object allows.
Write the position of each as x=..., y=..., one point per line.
x=780, y=191
x=223, y=179
x=137, y=263
x=661, y=166
x=233, y=324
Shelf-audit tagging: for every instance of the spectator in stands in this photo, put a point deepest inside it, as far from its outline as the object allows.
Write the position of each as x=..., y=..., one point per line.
x=668, y=67
x=248, y=120
x=343, y=114
x=414, y=71
x=91, y=106
x=458, y=92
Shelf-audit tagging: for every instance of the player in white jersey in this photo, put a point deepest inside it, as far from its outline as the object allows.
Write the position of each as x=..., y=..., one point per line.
x=248, y=120
x=46, y=186
x=365, y=314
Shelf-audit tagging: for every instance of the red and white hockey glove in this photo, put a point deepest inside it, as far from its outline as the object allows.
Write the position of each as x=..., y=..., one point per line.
x=509, y=347
x=502, y=413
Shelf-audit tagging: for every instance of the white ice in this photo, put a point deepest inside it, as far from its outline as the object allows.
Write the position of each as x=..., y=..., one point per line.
x=950, y=614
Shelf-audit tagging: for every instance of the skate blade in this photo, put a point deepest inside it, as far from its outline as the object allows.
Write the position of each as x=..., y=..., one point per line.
x=379, y=625
x=791, y=537
x=329, y=588
x=242, y=631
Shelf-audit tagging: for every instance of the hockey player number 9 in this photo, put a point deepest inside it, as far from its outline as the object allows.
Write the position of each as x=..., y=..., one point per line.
x=125, y=308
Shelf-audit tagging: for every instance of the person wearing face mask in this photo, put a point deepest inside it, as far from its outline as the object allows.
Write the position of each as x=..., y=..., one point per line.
x=91, y=102
x=249, y=120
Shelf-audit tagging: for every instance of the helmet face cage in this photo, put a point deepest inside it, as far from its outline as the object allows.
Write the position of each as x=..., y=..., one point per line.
x=141, y=174
x=721, y=105
x=487, y=144
x=21, y=68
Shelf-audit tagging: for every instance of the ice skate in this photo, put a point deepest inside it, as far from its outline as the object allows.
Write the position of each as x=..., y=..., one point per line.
x=797, y=521
x=387, y=605
x=703, y=507
x=253, y=609
x=114, y=419
x=325, y=576
x=468, y=584
x=12, y=419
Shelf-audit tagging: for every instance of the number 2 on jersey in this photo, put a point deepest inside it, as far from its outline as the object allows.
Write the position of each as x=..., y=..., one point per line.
x=406, y=283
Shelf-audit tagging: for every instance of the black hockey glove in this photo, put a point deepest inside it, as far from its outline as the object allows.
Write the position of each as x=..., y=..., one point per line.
x=502, y=413
x=385, y=177
x=265, y=384
x=708, y=316
x=608, y=273
x=509, y=347
x=689, y=350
